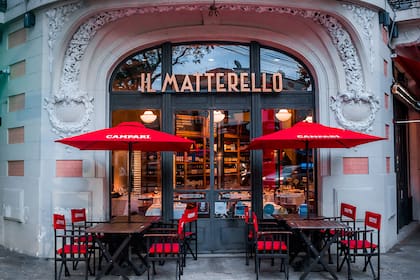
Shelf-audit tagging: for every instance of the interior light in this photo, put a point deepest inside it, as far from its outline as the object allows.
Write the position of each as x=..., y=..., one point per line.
x=218, y=116
x=283, y=115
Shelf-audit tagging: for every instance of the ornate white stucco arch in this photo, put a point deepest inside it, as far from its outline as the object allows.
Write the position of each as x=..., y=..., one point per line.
x=70, y=97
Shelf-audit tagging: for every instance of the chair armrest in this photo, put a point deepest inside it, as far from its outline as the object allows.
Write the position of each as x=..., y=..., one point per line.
x=355, y=234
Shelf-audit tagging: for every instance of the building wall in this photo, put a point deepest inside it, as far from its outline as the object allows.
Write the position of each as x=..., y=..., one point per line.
x=73, y=48
x=20, y=194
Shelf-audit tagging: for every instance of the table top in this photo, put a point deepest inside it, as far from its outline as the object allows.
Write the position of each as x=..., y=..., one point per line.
x=289, y=217
x=121, y=227
x=316, y=224
x=136, y=219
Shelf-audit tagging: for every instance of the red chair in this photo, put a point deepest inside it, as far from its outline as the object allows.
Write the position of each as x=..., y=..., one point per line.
x=66, y=249
x=190, y=217
x=348, y=216
x=364, y=243
x=79, y=224
x=166, y=244
x=271, y=244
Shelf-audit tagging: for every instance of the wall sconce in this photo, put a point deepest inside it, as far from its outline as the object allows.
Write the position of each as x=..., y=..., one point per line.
x=3, y=6
x=29, y=20
x=148, y=117
x=218, y=116
x=283, y=115
x=384, y=18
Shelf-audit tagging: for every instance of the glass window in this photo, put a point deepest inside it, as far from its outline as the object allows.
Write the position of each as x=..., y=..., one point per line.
x=286, y=172
x=231, y=137
x=215, y=166
x=295, y=75
x=140, y=72
x=206, y=60
x=192, y=168
x=146, y=170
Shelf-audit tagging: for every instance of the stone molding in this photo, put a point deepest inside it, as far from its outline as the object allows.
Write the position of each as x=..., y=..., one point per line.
x=70, y=95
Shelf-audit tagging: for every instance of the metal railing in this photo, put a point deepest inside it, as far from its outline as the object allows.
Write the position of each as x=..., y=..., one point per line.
x=400, y=5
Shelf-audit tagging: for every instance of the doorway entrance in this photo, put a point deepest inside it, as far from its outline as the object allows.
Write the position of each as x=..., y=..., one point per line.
x=404, y=198
x=215, y=174
x=220, y=95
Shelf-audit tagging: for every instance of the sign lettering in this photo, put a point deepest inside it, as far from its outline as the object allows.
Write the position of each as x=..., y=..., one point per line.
x=215, y=82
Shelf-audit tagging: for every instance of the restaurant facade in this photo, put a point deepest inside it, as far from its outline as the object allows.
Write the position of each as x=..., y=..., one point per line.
x=219, y=73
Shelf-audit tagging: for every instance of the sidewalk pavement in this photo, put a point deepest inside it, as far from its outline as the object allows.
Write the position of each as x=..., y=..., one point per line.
x=401, y=262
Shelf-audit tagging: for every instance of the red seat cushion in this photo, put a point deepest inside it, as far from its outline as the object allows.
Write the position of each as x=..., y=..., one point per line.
x=72, y=249
x=164, y=248
x=358, y=244
x=271, y=245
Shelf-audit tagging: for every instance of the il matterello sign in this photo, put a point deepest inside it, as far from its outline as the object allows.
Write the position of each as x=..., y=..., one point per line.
x=214, y=82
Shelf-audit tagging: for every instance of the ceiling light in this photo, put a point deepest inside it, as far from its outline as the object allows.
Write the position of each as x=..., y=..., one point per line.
x=148, y=117
x=283, y=115
x=218, y=116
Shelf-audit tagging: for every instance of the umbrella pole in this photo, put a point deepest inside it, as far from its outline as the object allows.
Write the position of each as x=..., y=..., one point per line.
x=130, y=180
x=307, y=177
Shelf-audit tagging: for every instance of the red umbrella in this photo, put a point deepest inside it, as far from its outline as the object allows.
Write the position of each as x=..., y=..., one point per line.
x=311, y=135
x=308, y=135
x=128, y=136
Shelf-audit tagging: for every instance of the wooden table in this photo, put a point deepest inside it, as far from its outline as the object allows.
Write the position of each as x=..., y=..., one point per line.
x=136, y=219
x=289, y=217
x=124, y=232
x=304, y=228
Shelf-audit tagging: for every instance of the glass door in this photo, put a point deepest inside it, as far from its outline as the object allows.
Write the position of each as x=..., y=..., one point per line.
x=215, y=173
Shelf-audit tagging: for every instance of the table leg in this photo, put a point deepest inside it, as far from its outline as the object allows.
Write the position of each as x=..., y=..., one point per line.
x=113, y=259
x=317, y=254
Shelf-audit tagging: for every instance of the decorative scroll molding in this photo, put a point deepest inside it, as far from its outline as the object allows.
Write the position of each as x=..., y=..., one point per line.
x=355, y=86
x=70, y=94
x=57, y=17
x=364, y=18
x=355, y=112
x=69, y=110
x=69, y=114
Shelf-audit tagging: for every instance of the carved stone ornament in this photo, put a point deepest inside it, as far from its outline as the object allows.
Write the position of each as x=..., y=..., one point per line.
x=364, y=18
x=355, y=112
x=72, y=96
x=57, y=17
x=69, y=114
